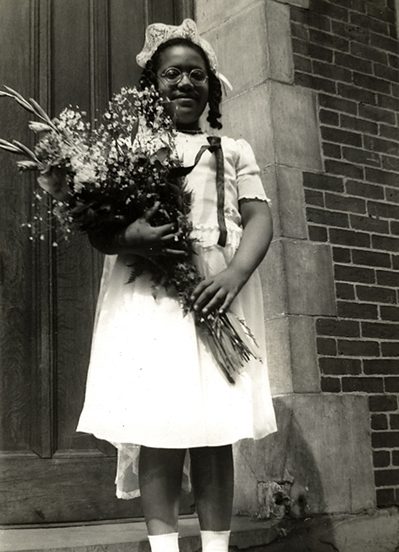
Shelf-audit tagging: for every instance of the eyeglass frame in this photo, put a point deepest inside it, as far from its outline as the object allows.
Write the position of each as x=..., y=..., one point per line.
x=161, y=76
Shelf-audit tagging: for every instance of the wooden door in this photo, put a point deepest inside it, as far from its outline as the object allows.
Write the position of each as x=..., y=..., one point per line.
x=60, y=52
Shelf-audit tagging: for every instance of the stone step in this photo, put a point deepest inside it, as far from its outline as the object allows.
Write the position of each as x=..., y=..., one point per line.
x=376, y=531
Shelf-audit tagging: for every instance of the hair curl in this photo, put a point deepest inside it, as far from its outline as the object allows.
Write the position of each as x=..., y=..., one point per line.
x=149, y=77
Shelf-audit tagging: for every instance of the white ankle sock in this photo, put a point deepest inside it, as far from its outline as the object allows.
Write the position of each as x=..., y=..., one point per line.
x=164, y=543
x=215, y=541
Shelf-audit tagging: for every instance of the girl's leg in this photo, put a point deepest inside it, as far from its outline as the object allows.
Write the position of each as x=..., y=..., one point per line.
x=212, y=474
x=160, y=478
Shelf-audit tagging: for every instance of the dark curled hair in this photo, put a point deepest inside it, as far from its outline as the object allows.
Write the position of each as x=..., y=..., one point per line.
x=149, y=77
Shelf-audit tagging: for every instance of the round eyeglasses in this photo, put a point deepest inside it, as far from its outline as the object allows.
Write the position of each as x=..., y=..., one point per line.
x=173, y=75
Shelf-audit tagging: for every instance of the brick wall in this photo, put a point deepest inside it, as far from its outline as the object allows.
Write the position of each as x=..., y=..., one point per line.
x=347, y=50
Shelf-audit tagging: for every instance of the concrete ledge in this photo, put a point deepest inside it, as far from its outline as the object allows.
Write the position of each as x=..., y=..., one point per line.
x=373, y=532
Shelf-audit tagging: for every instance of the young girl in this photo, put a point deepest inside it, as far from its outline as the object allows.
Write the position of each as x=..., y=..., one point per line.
x=154, y=388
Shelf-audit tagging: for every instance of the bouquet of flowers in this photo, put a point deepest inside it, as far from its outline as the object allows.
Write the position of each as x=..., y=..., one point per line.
x=103, y=176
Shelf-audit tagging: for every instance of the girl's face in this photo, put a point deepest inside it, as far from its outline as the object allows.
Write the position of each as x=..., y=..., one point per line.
x=183, y=78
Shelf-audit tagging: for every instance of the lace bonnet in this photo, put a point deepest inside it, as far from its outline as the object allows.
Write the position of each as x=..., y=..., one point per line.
x=158, y=33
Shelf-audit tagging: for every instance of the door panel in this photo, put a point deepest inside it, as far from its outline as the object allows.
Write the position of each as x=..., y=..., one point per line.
x=61, y=53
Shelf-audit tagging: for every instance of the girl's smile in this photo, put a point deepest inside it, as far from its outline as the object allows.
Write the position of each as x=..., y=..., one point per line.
x=181, y=79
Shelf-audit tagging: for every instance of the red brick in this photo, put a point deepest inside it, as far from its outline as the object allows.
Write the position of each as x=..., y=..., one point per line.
x=339, y=328
x=344, y=291
x=385, y=242
x=383, y=42
x=328, y=9
x=379, y=421
x=383, y=403
x=357, y=5
x=392, y=384
x=345, y=203
x=349, y=347
x=330, y=71
x=379, y=330
x=377, y=294
x=390, y=313
x=317, y=233
x=384, y=146
x=382, y=366
x=387, y=278
x=338, y=104
x=357, y=188
x=385, y=439
x=323, y=182
x=317, y=51
x=362, y=157
x=376, y=114
x=381, y=177
x=354, y=274
x=362, y=385
x=349, y=237
x=330, y=385
x=390, y=349
x=341, y=255
x=310, y=18
x=375, y=9
x=341, y=136
x=390, y=163
x=331, y=150
x=386, y=477
x=348, y=309
x=355, y=93
x=368, y=52
x=326, y=346
x=388, y=102
x=394, y=421
x=389, y=131
x=369, y=23
x=385, y=498
x=393, y=61
x=313, y=197
x=329, y=117
x=369, y=223
x=344, y=169
x=337, y=366
x=330, y=218
x=316, y=83
x=383, y=210
x=302, y=63
x=372, y=83
x=371, y=258
x=381, y=459
x=299, y=31
x=352, y=62
x=392, y=194
x=360, y=125
x=385, y=72
x=352, y=32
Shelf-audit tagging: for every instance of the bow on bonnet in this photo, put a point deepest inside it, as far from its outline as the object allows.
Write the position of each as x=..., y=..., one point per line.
x=158, y=33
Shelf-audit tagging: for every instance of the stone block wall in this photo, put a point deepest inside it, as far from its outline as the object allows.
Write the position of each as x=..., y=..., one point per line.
x=347, y=52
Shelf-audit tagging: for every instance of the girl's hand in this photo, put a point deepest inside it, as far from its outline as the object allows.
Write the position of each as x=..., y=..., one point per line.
x=141, y=237
x=218, y=292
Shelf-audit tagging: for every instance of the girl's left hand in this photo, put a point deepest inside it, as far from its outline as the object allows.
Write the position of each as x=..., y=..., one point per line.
x=217, y=292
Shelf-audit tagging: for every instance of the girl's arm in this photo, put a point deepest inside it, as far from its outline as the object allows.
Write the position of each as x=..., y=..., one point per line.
x=218, y=291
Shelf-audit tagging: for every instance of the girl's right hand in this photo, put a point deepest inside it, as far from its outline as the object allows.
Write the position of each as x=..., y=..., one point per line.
x=141, y=238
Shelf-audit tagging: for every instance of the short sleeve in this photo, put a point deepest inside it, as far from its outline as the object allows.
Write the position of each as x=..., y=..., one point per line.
x=249, y=183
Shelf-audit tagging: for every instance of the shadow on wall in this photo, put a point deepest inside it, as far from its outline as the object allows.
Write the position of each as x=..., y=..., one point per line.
x=278, y=478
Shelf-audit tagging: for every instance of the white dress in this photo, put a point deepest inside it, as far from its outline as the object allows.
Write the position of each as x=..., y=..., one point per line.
x=151, y=380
